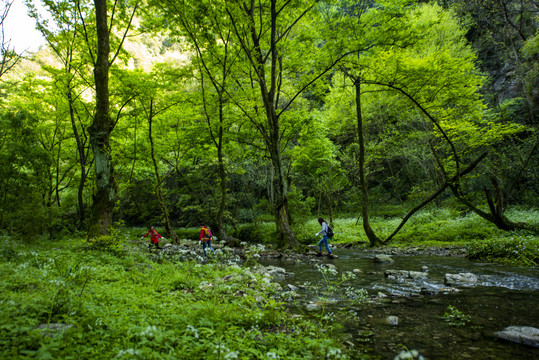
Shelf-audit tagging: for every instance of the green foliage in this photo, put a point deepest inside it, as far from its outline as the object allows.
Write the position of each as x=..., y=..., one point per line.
x=188, y=233
x=513, y=248
x=262, y=232
x=91, y=305
x=418, y=47
x=455, y=317
x=439, y=226
x=299, y=207
x=332, y=281
x=109, y=243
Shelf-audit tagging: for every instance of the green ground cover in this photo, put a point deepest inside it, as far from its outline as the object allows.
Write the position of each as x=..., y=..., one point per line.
x=71, y=299
x=61, y=300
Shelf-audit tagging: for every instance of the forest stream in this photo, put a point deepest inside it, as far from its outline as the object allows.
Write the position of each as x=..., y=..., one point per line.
x=502, y=296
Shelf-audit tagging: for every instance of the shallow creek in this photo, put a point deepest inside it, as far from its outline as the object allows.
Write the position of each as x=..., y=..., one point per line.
x=503, y=296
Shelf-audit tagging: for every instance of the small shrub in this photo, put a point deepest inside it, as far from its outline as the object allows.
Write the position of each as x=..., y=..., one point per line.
x=455, y=317
x=108, y=243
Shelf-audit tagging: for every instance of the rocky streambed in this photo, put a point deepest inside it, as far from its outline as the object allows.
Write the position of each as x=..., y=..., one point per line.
x=431, y=300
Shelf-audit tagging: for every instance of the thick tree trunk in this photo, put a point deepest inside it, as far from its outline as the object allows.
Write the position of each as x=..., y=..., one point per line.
x=272, y=135
x=373, y=239
x=287, y=239
x=100, y=130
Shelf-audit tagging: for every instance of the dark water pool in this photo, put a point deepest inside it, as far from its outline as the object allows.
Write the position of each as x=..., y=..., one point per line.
x=503, y=296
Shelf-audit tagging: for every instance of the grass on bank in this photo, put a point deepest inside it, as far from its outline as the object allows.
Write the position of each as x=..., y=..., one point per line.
x=61, y=300
x=438, y=227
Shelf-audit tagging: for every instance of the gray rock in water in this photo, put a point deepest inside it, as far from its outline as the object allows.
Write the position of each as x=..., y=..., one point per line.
x=292, y=287
x=277, y=273
x=382, y=258
x=312, y=306
x=392, y=320
x=461, y=278
x=396, y=273
x=526, y=335
x=416, y=275
x=405, y=274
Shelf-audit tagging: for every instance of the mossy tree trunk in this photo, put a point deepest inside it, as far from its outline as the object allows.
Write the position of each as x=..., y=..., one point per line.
x=364, y=194
x=100, y=130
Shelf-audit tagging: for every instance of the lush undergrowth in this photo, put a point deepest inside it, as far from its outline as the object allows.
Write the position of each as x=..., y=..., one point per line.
x=515, y=249
x=442, y=227
x=62, y=300
x=108, y=299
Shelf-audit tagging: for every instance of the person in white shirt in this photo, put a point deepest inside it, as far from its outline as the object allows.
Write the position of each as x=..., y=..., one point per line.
x=325, y=238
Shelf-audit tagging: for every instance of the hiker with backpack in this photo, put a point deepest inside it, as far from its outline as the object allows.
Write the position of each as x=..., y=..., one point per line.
x=327, y=233
x=205, y=238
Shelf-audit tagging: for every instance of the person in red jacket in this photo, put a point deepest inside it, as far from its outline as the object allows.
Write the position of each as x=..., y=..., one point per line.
x=205, y=238
x=154, y=238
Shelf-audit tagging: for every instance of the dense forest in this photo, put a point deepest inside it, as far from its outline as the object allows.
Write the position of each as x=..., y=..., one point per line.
x=177, y=113
x=411, y=126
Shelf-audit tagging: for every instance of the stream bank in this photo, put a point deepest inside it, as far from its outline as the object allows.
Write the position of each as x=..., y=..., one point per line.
x=386, y=307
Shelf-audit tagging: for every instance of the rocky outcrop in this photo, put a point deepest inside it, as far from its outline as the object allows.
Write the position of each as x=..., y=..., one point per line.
x=274, y=272
x=232, y=242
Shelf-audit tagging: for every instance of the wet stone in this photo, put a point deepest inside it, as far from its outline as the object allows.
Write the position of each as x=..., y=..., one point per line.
x=526, y=335
x=392, y=320
x=382, y=258
x=460, y=279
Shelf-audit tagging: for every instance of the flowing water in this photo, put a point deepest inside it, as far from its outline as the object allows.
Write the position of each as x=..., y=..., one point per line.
x=503, y=296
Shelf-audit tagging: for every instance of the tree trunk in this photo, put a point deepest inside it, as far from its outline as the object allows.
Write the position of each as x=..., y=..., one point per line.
x=158, y=191
x=218, y=141
x=330, y=210
x=82, y=158
x=100, y=130
x=287, y=239
x=222, y=177
x=373, y=239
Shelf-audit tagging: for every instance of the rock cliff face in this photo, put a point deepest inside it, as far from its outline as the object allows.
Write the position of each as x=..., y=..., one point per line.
x=505, y=83
x=503, y=34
